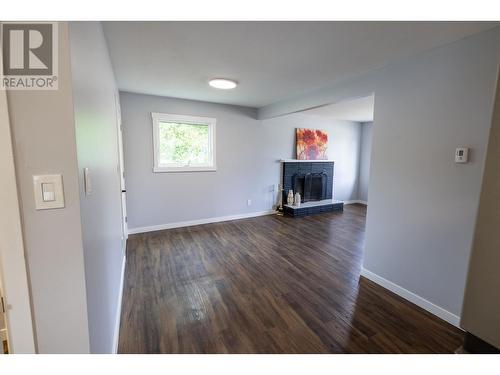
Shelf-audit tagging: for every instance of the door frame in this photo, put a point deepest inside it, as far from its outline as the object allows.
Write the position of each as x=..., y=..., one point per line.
x=121, y=167
x=13, y=270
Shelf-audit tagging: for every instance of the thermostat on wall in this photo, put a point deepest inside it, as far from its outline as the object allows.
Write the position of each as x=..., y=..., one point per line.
x=462, y=155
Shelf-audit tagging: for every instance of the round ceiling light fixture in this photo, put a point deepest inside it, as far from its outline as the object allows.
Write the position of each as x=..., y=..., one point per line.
x=223, y=83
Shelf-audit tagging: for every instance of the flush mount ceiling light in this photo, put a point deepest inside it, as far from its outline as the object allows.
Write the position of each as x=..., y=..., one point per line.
x=223, y=83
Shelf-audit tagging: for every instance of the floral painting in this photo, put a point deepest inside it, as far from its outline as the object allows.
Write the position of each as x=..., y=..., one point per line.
x=311, y=144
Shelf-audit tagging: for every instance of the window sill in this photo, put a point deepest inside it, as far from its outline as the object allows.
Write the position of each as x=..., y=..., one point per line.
x=183, y=170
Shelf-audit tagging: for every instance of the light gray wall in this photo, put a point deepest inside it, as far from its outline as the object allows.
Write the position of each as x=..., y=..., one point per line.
x=422, y=208
x=247, y=154
x=364, y=160
x=94, y=91
x=44, y=143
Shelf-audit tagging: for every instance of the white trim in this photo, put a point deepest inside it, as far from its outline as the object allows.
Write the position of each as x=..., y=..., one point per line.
x=356, y=201
x=167, y=117
x=305, y=161
x=412, y=297
x=190, y=223
x=119, y=308
x=183, y=169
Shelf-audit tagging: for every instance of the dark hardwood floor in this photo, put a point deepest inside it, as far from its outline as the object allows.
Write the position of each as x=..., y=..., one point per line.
x=267, y=285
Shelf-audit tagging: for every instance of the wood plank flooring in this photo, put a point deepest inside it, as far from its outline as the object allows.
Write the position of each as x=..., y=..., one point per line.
x=267, y=285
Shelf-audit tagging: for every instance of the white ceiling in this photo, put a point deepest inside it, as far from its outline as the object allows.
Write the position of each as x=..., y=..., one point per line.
x=272, y=61
x=358, y=109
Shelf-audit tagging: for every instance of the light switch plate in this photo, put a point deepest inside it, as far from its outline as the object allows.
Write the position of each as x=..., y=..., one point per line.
x=53, y=198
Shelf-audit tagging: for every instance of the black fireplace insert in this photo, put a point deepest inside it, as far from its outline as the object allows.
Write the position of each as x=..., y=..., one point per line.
x=310, y=186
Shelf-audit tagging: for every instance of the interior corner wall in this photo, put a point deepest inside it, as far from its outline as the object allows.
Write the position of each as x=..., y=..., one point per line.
x=96, y=121
x=364, y=160
x=44, y=143
x=248, y=151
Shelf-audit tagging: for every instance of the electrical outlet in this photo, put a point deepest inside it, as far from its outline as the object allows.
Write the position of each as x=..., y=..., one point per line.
x=249, y=202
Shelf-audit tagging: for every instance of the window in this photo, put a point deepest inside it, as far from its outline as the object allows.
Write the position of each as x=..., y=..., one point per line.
x=183, y=143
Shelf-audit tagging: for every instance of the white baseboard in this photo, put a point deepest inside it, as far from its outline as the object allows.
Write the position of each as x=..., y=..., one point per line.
x=412, y=297
x=356, y=201
x=190, y=223
x=119, y=308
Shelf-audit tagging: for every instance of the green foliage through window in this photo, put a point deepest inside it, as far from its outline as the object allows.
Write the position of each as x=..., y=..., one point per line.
x=184, y=144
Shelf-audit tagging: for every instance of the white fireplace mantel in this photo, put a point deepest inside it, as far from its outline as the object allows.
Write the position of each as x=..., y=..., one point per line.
x=304, y=161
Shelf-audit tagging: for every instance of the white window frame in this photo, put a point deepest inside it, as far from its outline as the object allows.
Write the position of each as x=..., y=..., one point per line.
x=185, y=119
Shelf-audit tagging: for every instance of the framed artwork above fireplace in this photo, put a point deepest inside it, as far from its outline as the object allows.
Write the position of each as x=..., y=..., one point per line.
x=312, y=144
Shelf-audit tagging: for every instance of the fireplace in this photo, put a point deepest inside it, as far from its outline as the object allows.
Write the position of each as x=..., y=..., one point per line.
x=310, y=186
x=313, y=180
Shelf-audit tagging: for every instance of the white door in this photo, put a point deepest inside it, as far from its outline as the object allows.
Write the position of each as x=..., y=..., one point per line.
x=121, y=166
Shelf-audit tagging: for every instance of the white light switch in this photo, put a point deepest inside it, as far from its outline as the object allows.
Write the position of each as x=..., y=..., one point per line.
x=49, y=192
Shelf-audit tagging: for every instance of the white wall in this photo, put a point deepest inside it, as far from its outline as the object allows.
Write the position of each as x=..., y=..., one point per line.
x=423, y=206
x=364, y=160
x=44, y=143
x=247, y=154
x=94, y=91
